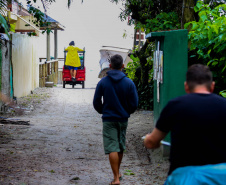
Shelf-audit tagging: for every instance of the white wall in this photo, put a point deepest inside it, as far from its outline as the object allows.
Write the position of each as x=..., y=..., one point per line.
x=25, y=64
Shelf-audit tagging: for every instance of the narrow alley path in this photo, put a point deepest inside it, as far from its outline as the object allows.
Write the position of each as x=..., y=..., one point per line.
x=63, y=144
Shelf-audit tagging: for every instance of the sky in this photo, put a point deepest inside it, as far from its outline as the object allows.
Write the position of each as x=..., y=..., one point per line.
x=91, y=24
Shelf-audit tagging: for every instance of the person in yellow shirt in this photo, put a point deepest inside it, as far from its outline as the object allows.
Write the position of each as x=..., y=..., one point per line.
x=72, y=59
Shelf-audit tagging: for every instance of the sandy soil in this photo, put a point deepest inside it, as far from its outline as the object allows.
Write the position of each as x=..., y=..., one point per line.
x=63, y=143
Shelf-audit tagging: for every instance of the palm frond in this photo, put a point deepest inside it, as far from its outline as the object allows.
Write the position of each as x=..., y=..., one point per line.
x=3, y=7
x=4, y=25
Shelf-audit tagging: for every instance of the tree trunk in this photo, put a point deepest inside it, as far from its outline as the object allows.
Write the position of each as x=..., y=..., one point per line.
x=141, y=54
x=188, y=13
x=139, y=39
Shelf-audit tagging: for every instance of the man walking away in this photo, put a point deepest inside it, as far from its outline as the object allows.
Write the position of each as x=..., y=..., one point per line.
x=120, y=99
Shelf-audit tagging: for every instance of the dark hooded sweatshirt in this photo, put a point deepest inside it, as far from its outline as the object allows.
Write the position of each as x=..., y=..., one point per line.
x=119, y=94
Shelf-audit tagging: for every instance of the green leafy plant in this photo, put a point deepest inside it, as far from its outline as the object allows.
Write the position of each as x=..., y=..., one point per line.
x=223, y=93
x=145, y=96
x=207, y=40
x=132, y=67
x=145, y=90
x=32, y=34
x=40, y=20
x=129, y=172
x=4, y=26
x=209, y=33
x=163, y=21
x=52, y=171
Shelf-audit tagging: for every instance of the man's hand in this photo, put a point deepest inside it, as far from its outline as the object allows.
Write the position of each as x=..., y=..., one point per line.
x=153, y=139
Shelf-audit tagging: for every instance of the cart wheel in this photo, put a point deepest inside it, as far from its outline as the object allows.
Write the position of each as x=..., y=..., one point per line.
x=83, y=84
x=64, y=84
x=73, y=85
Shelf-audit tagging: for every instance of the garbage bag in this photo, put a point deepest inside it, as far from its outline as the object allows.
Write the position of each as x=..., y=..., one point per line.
x=198, y=175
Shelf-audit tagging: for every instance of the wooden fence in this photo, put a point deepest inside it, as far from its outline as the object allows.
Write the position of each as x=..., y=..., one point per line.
x=48, y=72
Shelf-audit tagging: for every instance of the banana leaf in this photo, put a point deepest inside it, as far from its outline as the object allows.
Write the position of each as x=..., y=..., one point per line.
x=4, y=25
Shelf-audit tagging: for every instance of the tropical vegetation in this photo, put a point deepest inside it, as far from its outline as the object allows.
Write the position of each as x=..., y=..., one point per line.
x=205, y=22
x=207, y=41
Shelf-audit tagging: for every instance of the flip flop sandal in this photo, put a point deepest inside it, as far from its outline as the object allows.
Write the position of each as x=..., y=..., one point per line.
x=112, y=183
x=120, y=178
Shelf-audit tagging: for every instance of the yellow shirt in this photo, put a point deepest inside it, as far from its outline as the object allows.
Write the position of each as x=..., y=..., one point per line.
x=72, y=58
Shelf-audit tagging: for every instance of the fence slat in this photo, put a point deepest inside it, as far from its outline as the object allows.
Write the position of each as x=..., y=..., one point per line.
x=48, y=71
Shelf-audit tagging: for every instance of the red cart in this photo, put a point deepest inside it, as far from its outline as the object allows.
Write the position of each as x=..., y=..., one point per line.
x=80, y=75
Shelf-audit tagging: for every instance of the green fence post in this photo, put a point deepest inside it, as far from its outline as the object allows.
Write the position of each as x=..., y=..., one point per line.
x=174, y=47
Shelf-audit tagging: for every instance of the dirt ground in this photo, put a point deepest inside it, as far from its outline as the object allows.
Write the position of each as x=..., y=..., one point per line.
x=63, y=143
